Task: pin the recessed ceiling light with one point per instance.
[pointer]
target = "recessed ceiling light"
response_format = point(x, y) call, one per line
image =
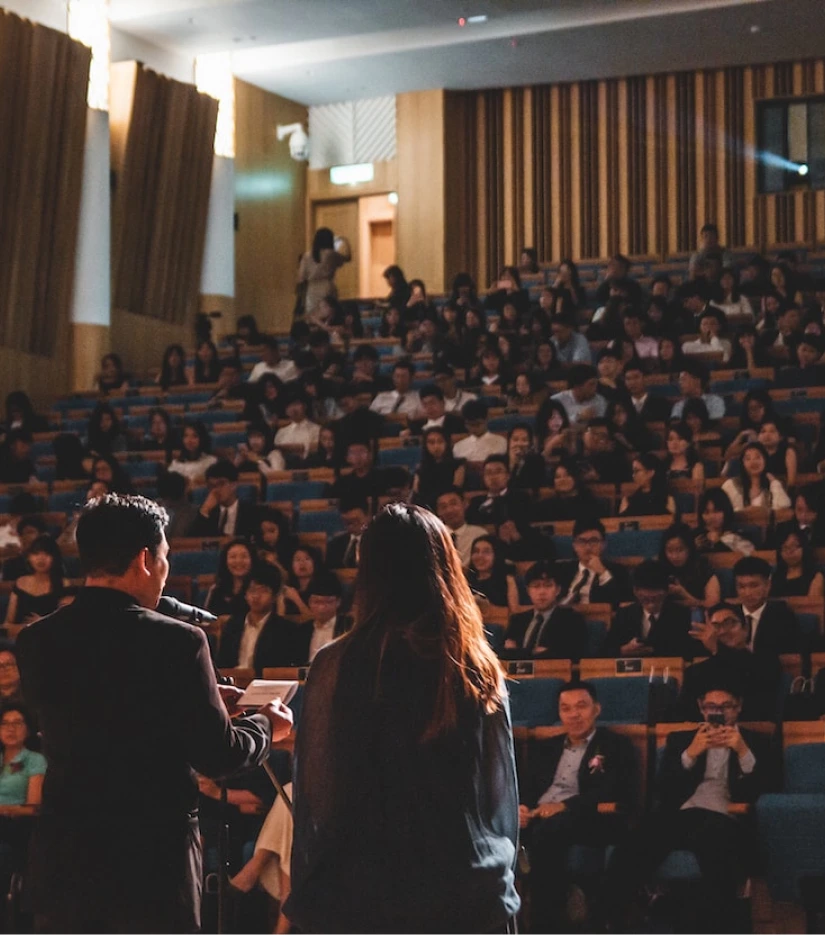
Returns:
point(475, 20)
point(755, 28)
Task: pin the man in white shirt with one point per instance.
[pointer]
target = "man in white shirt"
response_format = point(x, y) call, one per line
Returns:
point(301, 433)
point(451, 510)
point(480, 443)
point(344, 550)
point(401, 399)
point(454, 398)
point(327, 620)
point(270, 362)
point(432, 402)
point(710, 326)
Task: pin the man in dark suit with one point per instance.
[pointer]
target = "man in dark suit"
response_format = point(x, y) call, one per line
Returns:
point(260, 638)
point(509, 511)
point(772, 625)
point(343, 551)
point(432, 402)
point(588, 579)
point(651, 408)
point(547, 631)
point(327, 624)
point(129, 706)
point(702, 772)
point(654, 624)
point(222, 513)
point(565, 779)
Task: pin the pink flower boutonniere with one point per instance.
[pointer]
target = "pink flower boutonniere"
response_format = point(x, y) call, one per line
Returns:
point(596, 765)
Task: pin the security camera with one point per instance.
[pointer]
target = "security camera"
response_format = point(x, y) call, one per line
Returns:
point(298, 140)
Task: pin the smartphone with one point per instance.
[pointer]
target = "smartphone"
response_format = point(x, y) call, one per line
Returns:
point(717, 719)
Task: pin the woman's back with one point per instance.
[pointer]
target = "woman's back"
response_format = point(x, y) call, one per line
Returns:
point(411, 835)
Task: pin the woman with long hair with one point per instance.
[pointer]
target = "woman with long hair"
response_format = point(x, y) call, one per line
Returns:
point(796, 574)
point(552, 430)
point(173, 368)
point(568, 287)
point(406, 804)
point(105, 435)
point(304, 566)
point(755, 485)
point(207, 367)
point(715, 528)
point(439, 469)
point(627, 428)
point(227, 597)
point(112, 377)
point(161, 436)
point(652, 497)
point(572, 499)
point(527, 467)
point(690, 578)
point(489, 575)
point(38, 593)
point(399, 293)
point(683, 461)
point(195, 456)
point(317, 269)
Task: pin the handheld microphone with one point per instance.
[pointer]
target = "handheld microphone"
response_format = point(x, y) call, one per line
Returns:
point(172, 607)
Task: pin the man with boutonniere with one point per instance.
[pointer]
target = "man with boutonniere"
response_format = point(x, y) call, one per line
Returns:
point(565, 779)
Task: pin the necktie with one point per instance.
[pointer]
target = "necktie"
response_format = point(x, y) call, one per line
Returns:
point(651, 623)
point(351, 554)
point(397, 406)
point(576, 594)
point(749, 624)
point(533, 632)
point(222, 520)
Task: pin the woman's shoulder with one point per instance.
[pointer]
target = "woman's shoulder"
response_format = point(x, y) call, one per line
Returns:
point(35, 762)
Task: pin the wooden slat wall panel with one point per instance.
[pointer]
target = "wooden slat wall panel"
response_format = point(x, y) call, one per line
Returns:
point(162, 195)
point(44, 75)
point(635, 165)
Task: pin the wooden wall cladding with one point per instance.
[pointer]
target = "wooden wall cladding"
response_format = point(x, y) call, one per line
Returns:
point(162, 147)
point(632, 165)
point(44, 75)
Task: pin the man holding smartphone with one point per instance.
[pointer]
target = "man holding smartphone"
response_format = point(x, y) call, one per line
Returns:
point(704, 775)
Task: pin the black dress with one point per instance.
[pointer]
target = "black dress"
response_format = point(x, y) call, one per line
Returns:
point(782, 586)
point(645, 504)
point(493, 588)
point(221, 602)
point(434, 479)
point(38, 604)
point(392, 833)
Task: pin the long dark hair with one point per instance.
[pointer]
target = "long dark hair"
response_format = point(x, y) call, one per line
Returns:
point(324, 239)
point(57, 573)
point(170, 376)
point(744, 477)
point(719, 499)
point(207, 373)
point(808, 560)
point(410, 585)
point(98, 439)
point(223, 578)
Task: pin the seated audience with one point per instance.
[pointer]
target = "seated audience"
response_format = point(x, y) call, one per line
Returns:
point(693, 383)
point(227, 596)
point(571, 347)
point(553, 433)
point(712, 327)
point(304, 567)
point(715, 528)
point(565, 779)
point(37, 594)
point(439, 470)
point(437, 417)
point(258, 452)
point(10, 689)
point(650, 408)
point(271, 362)
point(172, 497)
point(161, 436)
point(195, 454)
point(807, 508)
point(572, 499)
point(455, 398)
point(364, 481)
point(582, 400)
point(655, 624)
point(207, 363)
point(601, 460)
point(173, 368)
point(772, 626)
point(109, 471)
point(489, 575)
point(683, 461)
point(300, 434)
point(627, 429)
point(20, 414)
point(328, 623)
point(401, 399)
point(230, 382)
point(588, 579)
point(264, 402)
point(259, 638)
point(690, 578)
point(451, 510)
point(16, 465)
point(28, 529)
point(111, 377)
point(222, 513)
point(549, 630)
point(527, 467)
point(651, 497)
point(344, 550)
point(480, 443)
point(755, 486)
point(273, 539)
point(781, 460)
point(796, 574)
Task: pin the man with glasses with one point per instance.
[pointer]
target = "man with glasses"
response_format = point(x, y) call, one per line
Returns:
point(702, 773)
point(327, 620)
point(588, 579)
point(724, 635)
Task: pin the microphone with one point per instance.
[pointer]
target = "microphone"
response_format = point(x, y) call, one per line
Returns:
point(172, 607)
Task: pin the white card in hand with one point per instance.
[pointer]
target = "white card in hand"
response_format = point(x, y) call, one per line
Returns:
point(262, 691)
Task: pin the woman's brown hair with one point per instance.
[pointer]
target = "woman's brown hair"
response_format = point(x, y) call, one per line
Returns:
point(411, 584)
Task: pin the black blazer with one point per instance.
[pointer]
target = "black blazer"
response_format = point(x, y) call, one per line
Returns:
point(564, 635)
point(128, 704)
point(778, 630)
point(757, 675)
point(612, 782)
point(675, 784)
point(244, 524)
point(513, 505)
point(273, 648)
point(655, 408)
point(337, 549)
point(530, 474)
point(615, 591)
point(302, 637)
point(668, 637)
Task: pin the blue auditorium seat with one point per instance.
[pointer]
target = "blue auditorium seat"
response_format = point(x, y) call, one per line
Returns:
point(328, 521)
point(66, 501)
point(624, 699)
point(533, 701)
point(805, 768)
point(644, 542)
point(296, 490)
point(192, 564)
point(405, 457)
point(791, 831)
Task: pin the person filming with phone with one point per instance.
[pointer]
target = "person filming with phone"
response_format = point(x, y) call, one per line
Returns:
point(130, 709)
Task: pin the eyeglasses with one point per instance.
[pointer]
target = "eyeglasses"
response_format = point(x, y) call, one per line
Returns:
point(720, 708)
point(591, 540)
point(17, 722)
point(8, 665)
point(728, 623)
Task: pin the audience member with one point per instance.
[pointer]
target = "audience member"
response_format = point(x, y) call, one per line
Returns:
point(451, 510)
point(588, 579)
point(690, 578)
point(796, 573)
point(772, 626)
point(344, 550)
point(16, 465)
point(327, 624)
point(222, 513)
point(651, 497)
point(271, 362)
point(481, 442)
point(489, 575)
point(38, 593)
point(693, 383)
point(195, 456)
point(173, 368)
point(305, 565)
point(401, 399)
point(227, 596)
point(439, 469)
point(172, 497)
point(755, 486)
point(582, 400)
point(715, 527)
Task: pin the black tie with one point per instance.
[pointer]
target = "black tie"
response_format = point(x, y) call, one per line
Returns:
point(350, 558)
point(575, 597)
point(533, 632)
point(397, 406)
point(222, 518)
point(652, 622)
point(749, 624)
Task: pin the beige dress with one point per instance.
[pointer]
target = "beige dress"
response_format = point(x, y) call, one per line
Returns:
point(276, 836)
point(320, 276)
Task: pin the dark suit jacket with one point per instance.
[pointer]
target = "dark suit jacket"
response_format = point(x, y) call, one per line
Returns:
point(614, 782)
point(615, 591)
point(675, 784)
point(668, 637)
point(302, 637)
point(273, 648)
point(656, 409)
point(564, 635)
point(337, 549)
point(517, 506)
point(758, 676)
point(128, 703)
point(244, 524)
point(778, 630)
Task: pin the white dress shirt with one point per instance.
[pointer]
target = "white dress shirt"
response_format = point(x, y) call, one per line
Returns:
point(584, 592)
point(193, 470)
point(249, 640)
point(566, 779)
point(464, 537)
point(304, 433)
point(284, 370)
point(391, 401)
point(321, 635)
point(458, 401)
point(479, 448)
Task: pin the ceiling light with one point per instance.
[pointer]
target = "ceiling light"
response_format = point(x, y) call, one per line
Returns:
point(755, 28)
point(803, 170)
point(476, 20)
point(352, 175)
point(392, 198)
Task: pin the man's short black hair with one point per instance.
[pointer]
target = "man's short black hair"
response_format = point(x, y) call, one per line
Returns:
point(650, 576)
point(270, 341)
point(579, 374)
point(752, 565)
point(727, 608)
point(222, 470)
point(114, 529)
point(541, 571)
point(450, 490)
point(696, 369)
point(443, 370)
point(354, 503)
point(326, 585)
point(407, 365)
point(729, 684)
point(575, 685)
point(266, 575)
point(498, 459)
point(474, 411)
point(35, 522)
point(588, 524)
point(171, 485)
point(564, 318)
point(365, 352)
point(431, 390)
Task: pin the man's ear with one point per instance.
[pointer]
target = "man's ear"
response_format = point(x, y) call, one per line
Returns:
point(598, 708)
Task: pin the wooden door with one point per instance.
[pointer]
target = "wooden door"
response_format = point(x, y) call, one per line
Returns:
point(342, 219)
